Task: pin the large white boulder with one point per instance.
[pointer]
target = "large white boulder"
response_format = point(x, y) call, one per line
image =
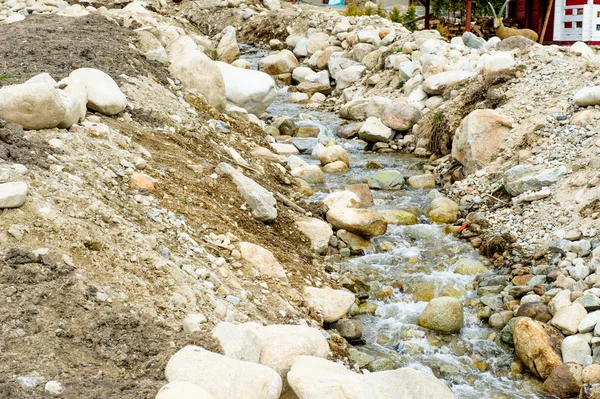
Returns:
point(252, 90)
point(316, 378)
point(479, 138)
point(103, 92)
point(198, 72)
point(222, 377)
point(32, 105)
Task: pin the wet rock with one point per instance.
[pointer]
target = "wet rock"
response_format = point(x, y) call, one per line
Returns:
point(342, 199)
point(537, 345)
point(349, 329)
point(469, 266)
point(443, 210)
point(500, 320)
point(103, 93)
point(311, 174)
point(355, 110)
point(311, 88)
point(363, 192)
point(443, 314)
point(567, 319)
point(335, 167)
point(13, 194)
point(479, 138)
point(263, 259)
point(537, 311)
point(404, 218)
point(331, 304)
point(591, 374)
point(278, 63)
point(400, 116)
point(315, 378)
point(357, 244)
point(182, 390)
point(261, 201)
point(333, 153)
point(386, 180)
point(374, 131)
point(318, 231)
point(421, 181)
point(363, 222)
point(285, 125)
point(565, 381)
point(222, 377)
point(575, 349)
point(349, 131)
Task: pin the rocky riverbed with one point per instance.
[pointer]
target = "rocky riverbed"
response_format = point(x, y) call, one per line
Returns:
point(246, 199)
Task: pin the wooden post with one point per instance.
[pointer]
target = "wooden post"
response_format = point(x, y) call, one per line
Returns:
point(468, 18)
point(427, 14)
point(548, 11)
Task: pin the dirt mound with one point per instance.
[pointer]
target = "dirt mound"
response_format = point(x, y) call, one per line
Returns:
point(58, 45)
point(15, 148)
point(97, 349)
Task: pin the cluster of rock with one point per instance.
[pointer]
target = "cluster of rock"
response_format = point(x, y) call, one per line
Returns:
point(278, 361)
point(381, 76)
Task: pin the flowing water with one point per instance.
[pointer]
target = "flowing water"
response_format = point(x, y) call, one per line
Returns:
point(418, 267)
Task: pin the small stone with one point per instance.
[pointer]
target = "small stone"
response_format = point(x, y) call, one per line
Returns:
point(54, 388)
point(192, 322)
point(13, 194)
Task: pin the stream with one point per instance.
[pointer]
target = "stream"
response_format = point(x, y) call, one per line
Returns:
point(419, 266)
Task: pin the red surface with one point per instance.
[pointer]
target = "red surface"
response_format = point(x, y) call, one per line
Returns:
point(531, 14)
point(576, 2)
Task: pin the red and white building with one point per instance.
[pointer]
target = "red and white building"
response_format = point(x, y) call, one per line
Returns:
point(569, 21)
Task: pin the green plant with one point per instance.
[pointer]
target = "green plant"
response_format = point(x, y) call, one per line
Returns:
point(4, 76)
point(521, 67)
point(400, 85)
point(380, 11)
point(409, 16)
point(395, 15)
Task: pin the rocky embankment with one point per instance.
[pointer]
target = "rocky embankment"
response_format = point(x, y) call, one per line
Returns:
point(153, 224)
